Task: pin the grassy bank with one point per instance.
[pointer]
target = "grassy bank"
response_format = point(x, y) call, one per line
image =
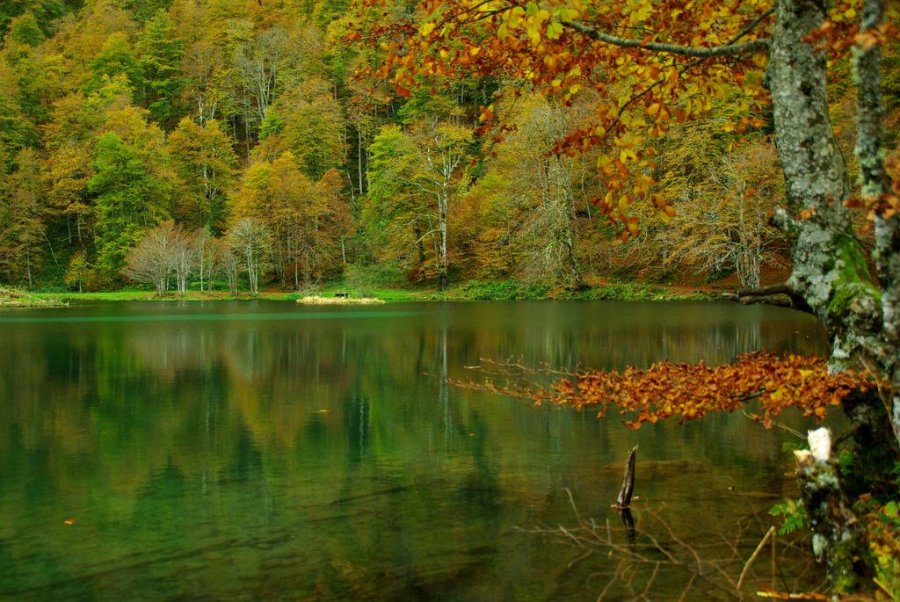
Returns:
point(466, 291)
point(13, 297)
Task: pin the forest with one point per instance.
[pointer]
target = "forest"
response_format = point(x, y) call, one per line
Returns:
point(180, 145)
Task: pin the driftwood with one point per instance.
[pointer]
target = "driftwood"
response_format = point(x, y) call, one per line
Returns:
point(624, 499)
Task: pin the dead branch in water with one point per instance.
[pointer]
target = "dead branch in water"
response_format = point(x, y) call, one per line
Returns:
point(640, 557)
point(624, 499)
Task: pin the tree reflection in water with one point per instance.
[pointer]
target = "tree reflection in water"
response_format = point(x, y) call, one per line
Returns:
point(236, 450)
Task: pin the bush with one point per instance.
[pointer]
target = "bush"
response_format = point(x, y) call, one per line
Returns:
point(507, 290)
point(366, 279)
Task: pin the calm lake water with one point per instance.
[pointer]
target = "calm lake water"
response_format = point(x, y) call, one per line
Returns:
point(251, 450)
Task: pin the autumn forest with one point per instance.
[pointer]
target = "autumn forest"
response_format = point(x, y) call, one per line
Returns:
point(238, 145)
point(348, 152)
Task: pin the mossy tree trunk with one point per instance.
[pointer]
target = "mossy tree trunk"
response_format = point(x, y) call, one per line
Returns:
point(829, 266)
point(830, 270)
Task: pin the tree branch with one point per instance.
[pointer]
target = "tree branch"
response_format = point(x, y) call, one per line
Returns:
point(713, 51)
point(780, 295)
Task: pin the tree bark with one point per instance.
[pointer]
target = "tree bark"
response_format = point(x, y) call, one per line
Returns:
point(874, 183)
point(830, 270)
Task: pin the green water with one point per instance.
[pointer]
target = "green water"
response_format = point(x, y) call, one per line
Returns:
point(231, 451)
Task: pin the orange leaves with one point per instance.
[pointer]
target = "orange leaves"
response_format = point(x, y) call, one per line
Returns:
point(690, 391)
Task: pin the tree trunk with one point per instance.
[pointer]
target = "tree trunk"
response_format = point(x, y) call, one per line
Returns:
point(829, 267)
point(443, 264)
point(838, 539)
point(830, 271)
point(874, 184)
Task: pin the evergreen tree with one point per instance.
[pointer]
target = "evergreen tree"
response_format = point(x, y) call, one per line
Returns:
point(159, 68)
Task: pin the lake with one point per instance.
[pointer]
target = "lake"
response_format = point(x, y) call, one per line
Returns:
point(265, 450)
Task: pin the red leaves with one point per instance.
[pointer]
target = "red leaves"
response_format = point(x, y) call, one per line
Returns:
point(690, 391)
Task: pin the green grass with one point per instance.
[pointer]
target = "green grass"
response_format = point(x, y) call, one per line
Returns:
point(13, 297)
point(506, 290)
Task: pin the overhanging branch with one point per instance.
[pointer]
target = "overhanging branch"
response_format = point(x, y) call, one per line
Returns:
point(694, 51)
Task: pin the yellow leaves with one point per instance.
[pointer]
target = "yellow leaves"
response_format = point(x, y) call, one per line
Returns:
point(632, 225)
point(554, 30)
point(639, 12)
point(426, 29)
point(760, 59)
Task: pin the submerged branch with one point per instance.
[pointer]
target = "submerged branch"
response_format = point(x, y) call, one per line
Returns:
point(707, 570)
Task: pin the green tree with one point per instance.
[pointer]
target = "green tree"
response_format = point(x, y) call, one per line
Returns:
point(309, 123)
point(129, 200)
point(414, 179)
point(117, 57)
point(25, 30)
point(159, 66)
point(43, 12)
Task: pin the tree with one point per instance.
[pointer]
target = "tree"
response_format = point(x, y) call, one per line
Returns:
point(309, 124)
point(160, 68)
point(541, 190)
point(723, 200)
point(206, 163)
point(129, 200)
point(22, 230)
point(41, 11)
point(79, 271)
point(249, 242)
point(152, 260)
point(258, 65)
point(425, 164)
point(687, 55)
point(116, 58)
point(295, 213)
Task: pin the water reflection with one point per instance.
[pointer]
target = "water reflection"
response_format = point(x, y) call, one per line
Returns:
point(229, 450)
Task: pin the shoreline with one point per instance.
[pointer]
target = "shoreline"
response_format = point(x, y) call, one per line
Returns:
point(334, 294)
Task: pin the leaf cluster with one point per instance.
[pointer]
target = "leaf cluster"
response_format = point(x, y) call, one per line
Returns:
point(690, 391)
